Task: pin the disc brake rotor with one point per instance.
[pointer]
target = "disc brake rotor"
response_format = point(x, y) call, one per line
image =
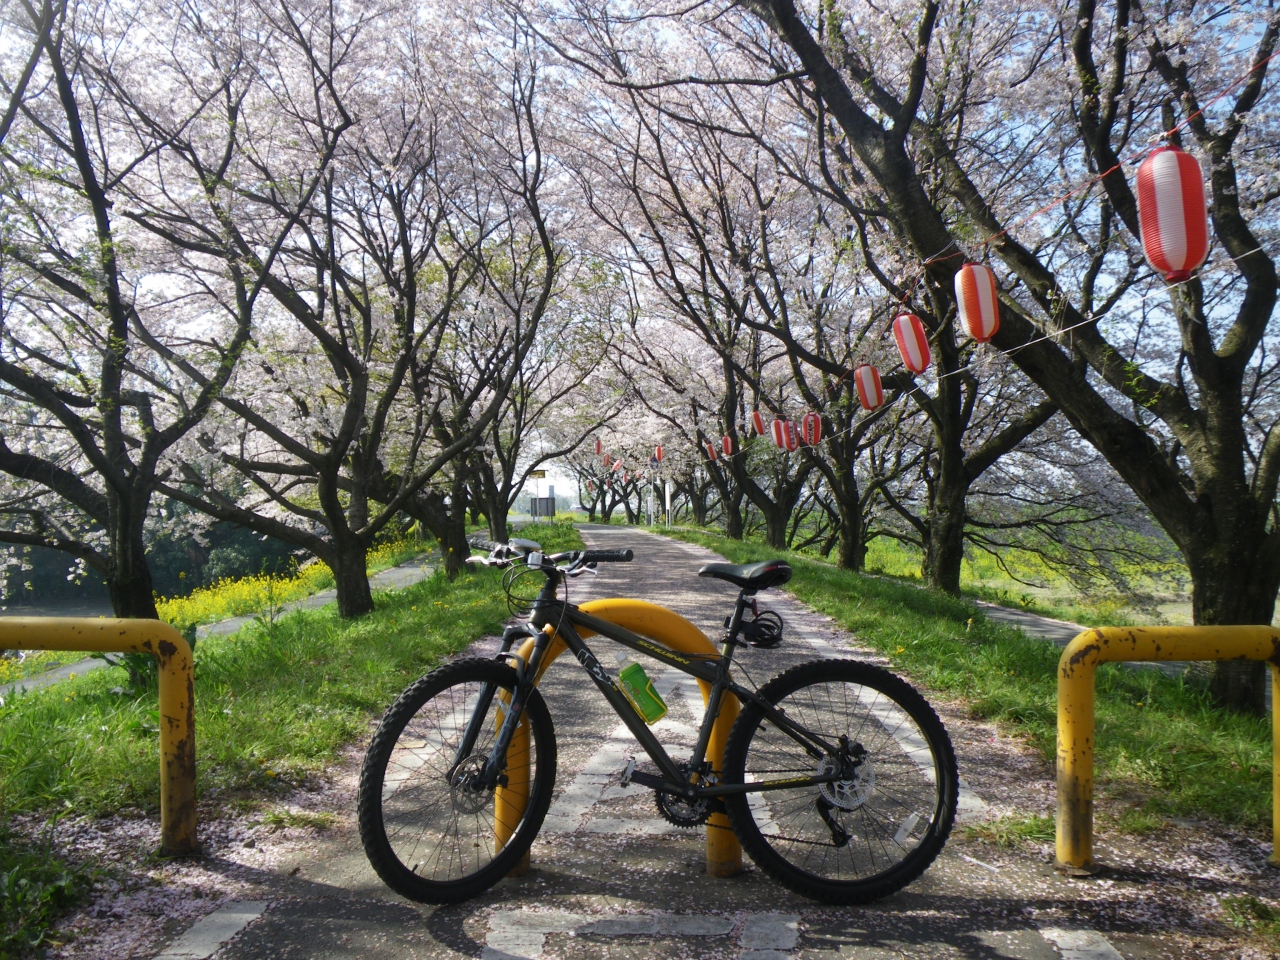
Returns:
point(847, 794)
point(465, 796)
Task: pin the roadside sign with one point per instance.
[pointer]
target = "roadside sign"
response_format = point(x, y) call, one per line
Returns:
point(537, 474)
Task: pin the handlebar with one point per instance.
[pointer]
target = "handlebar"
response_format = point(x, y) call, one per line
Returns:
point(608, 556)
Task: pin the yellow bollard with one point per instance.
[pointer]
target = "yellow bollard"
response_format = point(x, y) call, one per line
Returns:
point(509, 801)
point(1076, 668)
point(177, 700)
point(724, 854)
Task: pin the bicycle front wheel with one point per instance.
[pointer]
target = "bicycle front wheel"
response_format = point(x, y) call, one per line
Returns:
point(429, 830)
point(856, 839)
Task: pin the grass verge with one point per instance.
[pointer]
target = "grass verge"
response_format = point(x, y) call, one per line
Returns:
point(1006, 832)
point(273, 702)
point(1162, 747)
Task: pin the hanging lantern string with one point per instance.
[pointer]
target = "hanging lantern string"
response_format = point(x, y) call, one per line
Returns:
point(918, 273)
point(1048, 336)
point(739, 449)
point(1226, 90)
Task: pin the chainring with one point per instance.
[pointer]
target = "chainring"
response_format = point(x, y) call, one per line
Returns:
point(682, 811)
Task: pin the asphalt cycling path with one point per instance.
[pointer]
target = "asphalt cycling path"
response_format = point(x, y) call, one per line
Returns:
point(612, 879)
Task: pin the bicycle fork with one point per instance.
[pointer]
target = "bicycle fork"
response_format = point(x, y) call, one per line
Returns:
point(491, 775)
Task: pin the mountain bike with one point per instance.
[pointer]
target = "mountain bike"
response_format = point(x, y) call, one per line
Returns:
point(837, 777)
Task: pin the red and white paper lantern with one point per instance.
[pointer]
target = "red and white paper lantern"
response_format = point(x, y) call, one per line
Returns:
point(978, 302)
point(617, 465)
point(913, 342)
point(867, 381)
point(1171, 213)
point(793, 437)
point(606, 461)
point(599, 447)
point(811, 429)
point(757, 423)
point(779, 430)
point(711, 451)
point(657, 453)
point(591, 487)
point(726, 444)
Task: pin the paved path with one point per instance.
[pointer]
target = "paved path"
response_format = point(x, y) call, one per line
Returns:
point(611, 879)
point(1062, 632)
point(409, 572)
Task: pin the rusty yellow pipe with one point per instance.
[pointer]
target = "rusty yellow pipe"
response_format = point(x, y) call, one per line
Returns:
point(1076, 668)
point(724, 854)
point(177, 700)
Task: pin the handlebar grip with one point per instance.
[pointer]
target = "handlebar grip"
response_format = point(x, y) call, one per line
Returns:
point(608, 556)
point(480, 543)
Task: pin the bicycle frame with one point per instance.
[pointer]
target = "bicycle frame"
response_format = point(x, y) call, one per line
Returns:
point(564, 619)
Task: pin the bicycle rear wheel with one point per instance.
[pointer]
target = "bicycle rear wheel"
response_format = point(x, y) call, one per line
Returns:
point(430, 835)
point(857, 839)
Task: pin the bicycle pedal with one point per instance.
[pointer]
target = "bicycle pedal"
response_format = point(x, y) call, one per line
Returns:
point(626, 774)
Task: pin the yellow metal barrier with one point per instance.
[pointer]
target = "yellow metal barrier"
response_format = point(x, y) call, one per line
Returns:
point(724, 855)
point(1074, 842)
point(177, 700)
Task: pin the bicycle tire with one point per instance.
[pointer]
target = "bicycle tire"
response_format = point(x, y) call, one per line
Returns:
point(441, 846)
point(896, 816)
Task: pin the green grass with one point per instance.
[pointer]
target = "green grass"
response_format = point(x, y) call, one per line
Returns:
point(281, 818)
point(1013, 831)
point(35, 888)
point(982, 577)
point(1255, 916)
point(273, 702)
point(36, 661)
point(1162, 748)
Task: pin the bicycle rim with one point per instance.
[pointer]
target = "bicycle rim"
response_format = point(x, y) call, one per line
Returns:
point(859, 838)
point(428, 834)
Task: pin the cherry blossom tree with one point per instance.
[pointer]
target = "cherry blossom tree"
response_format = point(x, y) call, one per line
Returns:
point(112, 349)
point(405, 308)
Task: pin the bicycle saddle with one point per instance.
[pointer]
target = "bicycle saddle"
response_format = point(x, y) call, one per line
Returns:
point(750, 576)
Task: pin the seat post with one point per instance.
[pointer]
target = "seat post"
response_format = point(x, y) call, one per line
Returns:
point(735, 622)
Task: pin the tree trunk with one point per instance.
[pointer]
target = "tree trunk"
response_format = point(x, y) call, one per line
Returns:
point(454, 544)
point(853, 551)
point(1236, 585)
point(129, 579)
point(349, 564)
point(775, 527)
point(496, 510)
point(129, 583)
point(732, 517)
point(698, 505)
point(944, 544)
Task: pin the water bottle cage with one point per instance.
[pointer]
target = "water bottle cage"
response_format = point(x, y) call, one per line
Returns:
point(764, 631)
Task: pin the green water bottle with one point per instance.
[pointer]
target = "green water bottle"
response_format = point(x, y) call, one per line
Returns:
point(638, 687)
